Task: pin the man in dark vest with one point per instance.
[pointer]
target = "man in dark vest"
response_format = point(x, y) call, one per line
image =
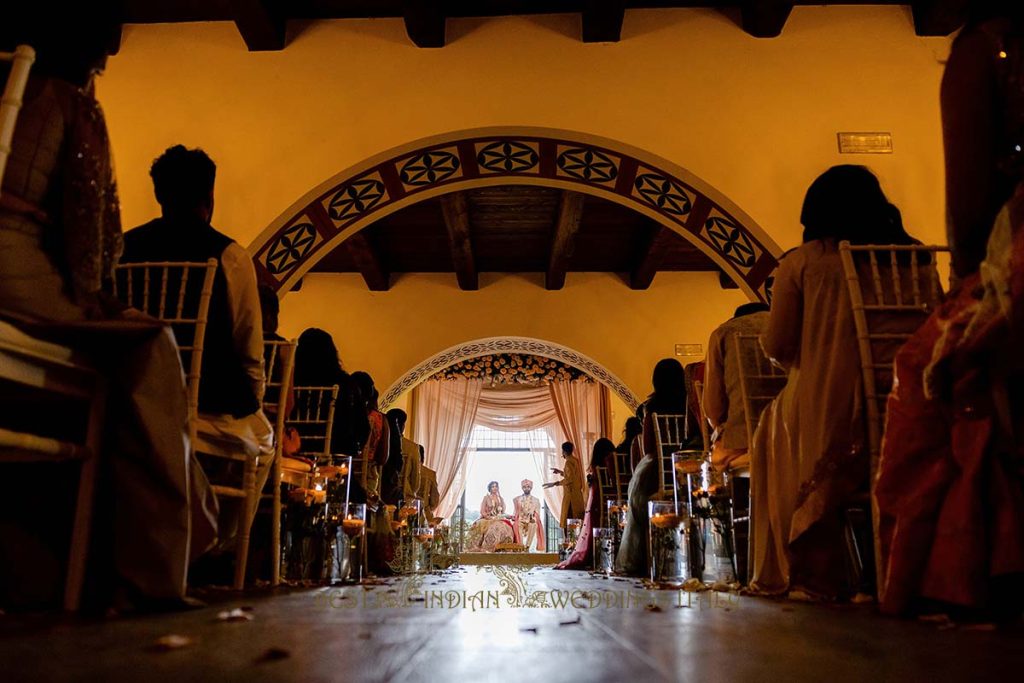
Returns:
point(231, 384)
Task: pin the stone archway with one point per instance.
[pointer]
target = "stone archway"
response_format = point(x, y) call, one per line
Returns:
point(353, 199)
point(491, 345)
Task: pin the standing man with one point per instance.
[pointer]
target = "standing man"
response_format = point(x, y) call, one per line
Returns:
point(428, 493)
point(723, 403)
point(572, 481)
point(527, 525)
point(411, 463)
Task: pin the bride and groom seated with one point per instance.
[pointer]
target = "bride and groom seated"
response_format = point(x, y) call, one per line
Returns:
point(495, 529)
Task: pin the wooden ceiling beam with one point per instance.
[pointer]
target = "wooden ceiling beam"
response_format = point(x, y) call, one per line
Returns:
point(261, 23)
point(425, 22)
point(938, 17)
point(570, 211)
point(602, 20)
point(456, 219)
point(650, 257)
point(368, 261)
point(765, 18)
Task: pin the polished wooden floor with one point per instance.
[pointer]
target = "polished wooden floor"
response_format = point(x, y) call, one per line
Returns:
point(460, 626)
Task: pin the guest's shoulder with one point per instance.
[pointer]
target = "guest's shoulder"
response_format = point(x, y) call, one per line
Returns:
point(138, 241)
point(234, 254)
point(141, 231)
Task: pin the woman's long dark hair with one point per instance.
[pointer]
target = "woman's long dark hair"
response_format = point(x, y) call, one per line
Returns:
point(847, 203)
point(669, 395)
point(602, 449)
point(316, 359)
point(364, 383)
point(634, 428)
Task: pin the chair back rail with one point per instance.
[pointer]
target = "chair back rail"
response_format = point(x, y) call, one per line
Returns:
point(279, 364)
point(893, 289)
point(622, 468)
point(671, 432)
point(313, 418)
point(10, 103)
point(177, 293)
point(760, 379)
point(608, 489)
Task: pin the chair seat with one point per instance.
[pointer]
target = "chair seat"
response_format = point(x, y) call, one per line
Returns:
point(296, 465)
point(21, 447)
point(296, 471)
point(739, 468)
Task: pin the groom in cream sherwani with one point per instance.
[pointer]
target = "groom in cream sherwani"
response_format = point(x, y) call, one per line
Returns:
point(527, 524)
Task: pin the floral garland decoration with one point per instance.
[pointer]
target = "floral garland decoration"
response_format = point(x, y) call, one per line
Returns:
point(514, 368)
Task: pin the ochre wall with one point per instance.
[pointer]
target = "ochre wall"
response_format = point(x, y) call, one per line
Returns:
point(596, 314)
point(754, 118)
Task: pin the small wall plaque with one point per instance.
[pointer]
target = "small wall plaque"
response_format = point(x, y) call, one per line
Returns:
point(865, 143)
point(689, 350)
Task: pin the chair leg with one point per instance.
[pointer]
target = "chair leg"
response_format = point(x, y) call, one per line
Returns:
point(275, 523)
point(750, 536)
point(245, 522)
point(853, 553)
point(80, 535)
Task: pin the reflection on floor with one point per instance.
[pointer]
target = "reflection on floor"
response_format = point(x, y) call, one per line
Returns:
point(504, 624)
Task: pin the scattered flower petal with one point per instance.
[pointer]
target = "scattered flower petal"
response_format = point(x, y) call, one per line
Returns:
point(173, 641)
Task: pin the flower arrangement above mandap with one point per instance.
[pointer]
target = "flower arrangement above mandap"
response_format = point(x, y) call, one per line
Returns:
point(514, 368)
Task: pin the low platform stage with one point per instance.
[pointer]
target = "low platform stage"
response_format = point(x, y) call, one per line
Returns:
point(520, 559)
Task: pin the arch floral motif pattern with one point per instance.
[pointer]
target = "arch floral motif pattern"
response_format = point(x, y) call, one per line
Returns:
point(676, 199)
point(498, 345)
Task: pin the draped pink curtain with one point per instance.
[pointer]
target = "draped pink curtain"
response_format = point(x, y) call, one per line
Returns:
point(444, 415)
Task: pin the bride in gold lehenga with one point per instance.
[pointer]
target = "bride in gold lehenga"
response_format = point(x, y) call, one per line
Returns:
point(493, 527)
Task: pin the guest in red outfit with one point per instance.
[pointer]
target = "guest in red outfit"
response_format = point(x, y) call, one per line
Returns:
point(949, 490)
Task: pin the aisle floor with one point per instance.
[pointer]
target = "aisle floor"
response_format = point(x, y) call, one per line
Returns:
point(503, 624)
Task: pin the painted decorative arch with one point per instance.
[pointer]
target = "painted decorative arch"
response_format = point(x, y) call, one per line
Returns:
point(669, 194)
point(490, 345)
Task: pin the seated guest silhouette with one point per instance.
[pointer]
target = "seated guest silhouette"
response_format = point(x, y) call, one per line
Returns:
point(722, 401)
point(232, 383)
point(809, 458)
point(231, 388)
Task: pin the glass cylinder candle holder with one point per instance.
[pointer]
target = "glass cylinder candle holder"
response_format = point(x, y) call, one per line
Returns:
point(687, 467)
point(572, 531)
point(423, 549)
point(604, 550)
point(353, 526)
point(667, 543)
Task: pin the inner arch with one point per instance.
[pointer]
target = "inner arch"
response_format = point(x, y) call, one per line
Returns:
point(493, 345)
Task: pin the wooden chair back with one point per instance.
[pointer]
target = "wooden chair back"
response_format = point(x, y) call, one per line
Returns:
point(278, 367)
point(10, 103)
point(313, 418)
point(608, 488)
point(178, 293)
point(672, 435)
point(760, 379)
point(893, 289)
point(622, 470)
